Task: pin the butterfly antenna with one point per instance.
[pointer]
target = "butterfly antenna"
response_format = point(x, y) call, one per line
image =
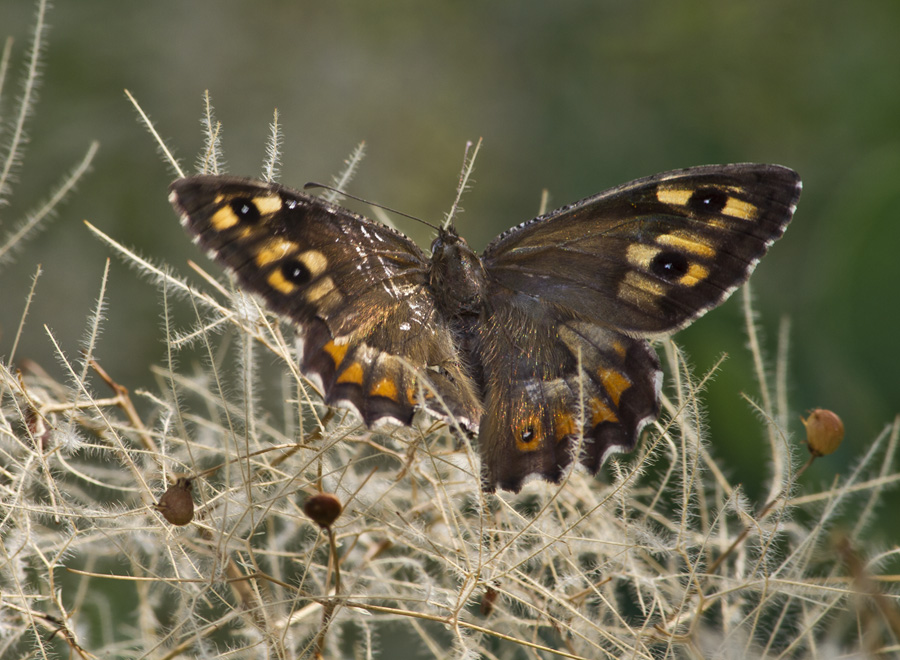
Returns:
point(313, 184)
point(468, 166)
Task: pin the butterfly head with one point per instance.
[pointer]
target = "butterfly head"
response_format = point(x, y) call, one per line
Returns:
point(456, 275)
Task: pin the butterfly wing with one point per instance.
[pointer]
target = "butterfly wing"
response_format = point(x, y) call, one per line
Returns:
point(356, 289)
point(652, 255)
point(559, 389)
point(572, 295)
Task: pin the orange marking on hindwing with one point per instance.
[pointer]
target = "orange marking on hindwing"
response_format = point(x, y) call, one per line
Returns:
point(336, 351)
point(385, 387)
point(352, 374)
point(600, 412)
point(563, 423)
point(614, 383)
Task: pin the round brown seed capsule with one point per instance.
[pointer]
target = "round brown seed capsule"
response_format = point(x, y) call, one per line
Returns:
point(323, 509)
point(177, 505)
point(824, 432)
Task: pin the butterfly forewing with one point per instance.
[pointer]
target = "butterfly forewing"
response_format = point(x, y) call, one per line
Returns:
point(651, 256)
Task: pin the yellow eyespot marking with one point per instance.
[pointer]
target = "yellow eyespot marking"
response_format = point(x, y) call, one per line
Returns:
point(738, 208)
point(614, 382)
point(279, 283)
point(314, 260)
point(642, 255)
point(320, 289)
point(386, 388)
point(564, 424)
point(274, 250)
point(600, 412)
point(529, 434)
point(336, 351)
point(687, 242)
point(619, 348)
point(674, 196)
point(635, 288)
point(223, 219)
point(267, 204)
point(352, 374)
point(696, 274)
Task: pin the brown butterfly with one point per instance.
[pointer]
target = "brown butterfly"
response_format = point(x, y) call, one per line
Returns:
point(540, 345)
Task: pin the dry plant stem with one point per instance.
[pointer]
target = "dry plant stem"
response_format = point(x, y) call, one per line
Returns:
point(48, 208)
point(160, 143)
point(55, 625)
point(335, 560)
point(464, 177)
point(212, 161)
point(329, 607)
point(123, 401)
point(18, 136)
point(780, 459)
point(4, 61)
point(864, 585)
point(454, 622)
point(20, 329)
point(334, 194)
point(762, 514)
point(272, 162)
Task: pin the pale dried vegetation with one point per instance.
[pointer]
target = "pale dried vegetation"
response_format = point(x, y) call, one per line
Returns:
point(661, 557)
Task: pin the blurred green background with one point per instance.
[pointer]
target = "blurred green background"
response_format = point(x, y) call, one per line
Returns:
point(572, 96)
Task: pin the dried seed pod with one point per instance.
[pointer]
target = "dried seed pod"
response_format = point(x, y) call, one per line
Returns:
point(37, 427)
point(487, 601)
point(177, 504)
point(323, 509)
point(824, 432)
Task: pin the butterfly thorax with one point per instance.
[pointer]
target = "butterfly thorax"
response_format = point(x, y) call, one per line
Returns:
point(458, 283)
point(457, 276)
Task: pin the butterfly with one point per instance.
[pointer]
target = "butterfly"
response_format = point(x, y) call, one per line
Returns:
point(540, 345)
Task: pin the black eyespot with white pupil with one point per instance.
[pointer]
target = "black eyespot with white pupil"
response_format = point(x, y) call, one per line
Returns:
point(669, 265)
point(245, 210)
point(528, 434)
point(295, 272)
point(708, 200)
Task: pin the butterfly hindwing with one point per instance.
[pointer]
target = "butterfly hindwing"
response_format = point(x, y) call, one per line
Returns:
point(560, 389)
